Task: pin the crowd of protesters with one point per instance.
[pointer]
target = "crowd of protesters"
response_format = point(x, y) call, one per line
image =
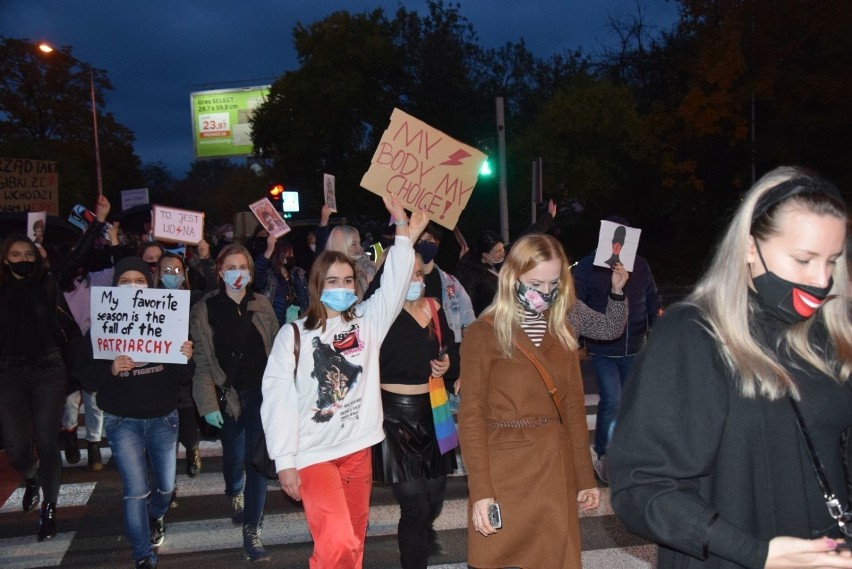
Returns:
point(328, 352)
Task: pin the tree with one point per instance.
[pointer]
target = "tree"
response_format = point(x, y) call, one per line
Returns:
point(45, 113)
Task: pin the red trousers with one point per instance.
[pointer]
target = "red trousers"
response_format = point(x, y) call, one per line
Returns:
point(336, 496)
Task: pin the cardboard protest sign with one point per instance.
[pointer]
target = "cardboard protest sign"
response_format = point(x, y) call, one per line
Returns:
point(147, 324)
point(36, 224)
point(328, 192)
point(424, 168)
point(271, 220)
point(617, 244)
point(29, 185)
point(179, 225)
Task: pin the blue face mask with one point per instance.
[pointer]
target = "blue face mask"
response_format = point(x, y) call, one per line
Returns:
point(236, 279)
point(338, 299)
point(415, 291)
point(172, 281)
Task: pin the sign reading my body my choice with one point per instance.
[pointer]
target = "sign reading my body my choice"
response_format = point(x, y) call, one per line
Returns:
point(147, 324)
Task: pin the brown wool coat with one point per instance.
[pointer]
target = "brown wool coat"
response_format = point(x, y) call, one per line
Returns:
point(534, 473)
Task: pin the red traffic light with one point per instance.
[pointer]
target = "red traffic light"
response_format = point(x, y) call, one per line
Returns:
point(276, 191)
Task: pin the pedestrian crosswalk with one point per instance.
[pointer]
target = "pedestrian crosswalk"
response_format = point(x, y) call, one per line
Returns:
point(199, 532)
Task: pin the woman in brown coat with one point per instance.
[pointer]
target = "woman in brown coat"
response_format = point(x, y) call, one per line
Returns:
point(524, 450)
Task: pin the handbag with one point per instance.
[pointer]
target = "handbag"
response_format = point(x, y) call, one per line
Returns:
point(442, 415)
point(542, 371)
point(836, 510)
point(260, 454)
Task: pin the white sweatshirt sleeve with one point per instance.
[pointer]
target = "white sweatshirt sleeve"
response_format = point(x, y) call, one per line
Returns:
point(279, 411)
point(386, 303)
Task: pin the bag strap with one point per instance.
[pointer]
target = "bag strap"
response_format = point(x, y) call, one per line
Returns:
point(297, 346)
point(542, 371)
point(435, 322)
point(835, 508)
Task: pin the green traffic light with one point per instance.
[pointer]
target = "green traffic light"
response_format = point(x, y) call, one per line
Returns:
point(486, 170)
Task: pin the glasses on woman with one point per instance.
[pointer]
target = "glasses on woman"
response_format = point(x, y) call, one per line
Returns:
point(172, 270)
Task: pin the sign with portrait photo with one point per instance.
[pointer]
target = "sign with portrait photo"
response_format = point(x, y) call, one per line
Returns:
point(617, 243)
point(271, 220)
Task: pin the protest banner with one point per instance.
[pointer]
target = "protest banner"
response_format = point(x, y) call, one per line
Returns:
point(424, 168)
point(328, 192)
point(147, 324)
point(82, 217)
point(179, 225)
point(132, 198)
point(271, 220)
point(29, 185)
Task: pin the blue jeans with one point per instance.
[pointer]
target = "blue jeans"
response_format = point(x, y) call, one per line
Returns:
point(238, 438)
point(143, 449)
point(611, 373)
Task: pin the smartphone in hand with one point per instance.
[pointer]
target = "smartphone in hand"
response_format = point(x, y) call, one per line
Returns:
point(495, 518)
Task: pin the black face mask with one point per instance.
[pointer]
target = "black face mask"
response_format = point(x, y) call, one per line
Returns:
point(23, 268)
point(788, 301)
point(427, 250)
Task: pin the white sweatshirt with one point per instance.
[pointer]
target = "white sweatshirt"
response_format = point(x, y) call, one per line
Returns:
point(334, 407)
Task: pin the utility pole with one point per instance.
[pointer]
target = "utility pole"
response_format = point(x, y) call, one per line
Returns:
point(501, 152)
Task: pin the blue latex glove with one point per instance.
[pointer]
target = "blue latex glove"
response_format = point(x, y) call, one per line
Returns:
point(215, 419)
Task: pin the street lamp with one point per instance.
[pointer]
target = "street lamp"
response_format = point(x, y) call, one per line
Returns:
point(46, 48)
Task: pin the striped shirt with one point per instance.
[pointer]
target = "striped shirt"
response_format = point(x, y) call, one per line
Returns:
point(535, 325)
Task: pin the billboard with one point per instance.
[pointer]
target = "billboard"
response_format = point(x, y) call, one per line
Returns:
point(220, 120)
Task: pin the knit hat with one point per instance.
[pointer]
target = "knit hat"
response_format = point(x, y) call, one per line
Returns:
point(131, 264)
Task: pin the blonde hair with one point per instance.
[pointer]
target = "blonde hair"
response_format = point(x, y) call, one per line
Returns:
point(342, 238)
point(722, 293)
point(526, 253)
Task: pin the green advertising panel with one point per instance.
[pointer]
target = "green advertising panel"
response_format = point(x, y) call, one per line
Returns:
point(220, 120)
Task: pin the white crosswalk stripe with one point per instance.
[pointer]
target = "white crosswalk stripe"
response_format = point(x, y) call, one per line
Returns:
point(217, 533)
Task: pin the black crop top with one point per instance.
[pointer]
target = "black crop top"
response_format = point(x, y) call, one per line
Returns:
point(409, 348)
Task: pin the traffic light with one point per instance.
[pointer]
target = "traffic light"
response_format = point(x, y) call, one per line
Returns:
point(486, 169)
point(275, 191)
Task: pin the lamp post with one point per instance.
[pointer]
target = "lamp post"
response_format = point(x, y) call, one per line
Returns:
point(46, 48)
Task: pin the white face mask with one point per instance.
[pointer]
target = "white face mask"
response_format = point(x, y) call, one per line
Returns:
point(228, 235)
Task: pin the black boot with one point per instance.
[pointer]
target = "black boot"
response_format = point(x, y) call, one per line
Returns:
point(30, 495)
point(193, 462)
point(72, 447)
point(47, 521)
point(96, 463)
point(252, 546)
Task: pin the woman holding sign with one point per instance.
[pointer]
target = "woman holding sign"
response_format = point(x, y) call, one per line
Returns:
point(35, 329)
point(234, 328)
point(139, 401)
point(320, 427)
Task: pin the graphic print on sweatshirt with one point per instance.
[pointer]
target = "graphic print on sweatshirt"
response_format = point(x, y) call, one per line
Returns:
point(335, 375)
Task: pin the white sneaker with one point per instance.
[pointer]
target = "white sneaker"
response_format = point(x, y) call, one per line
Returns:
point(599, 464)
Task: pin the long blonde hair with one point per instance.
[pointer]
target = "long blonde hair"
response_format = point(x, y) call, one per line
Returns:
point(722, 293)
point(526, 253)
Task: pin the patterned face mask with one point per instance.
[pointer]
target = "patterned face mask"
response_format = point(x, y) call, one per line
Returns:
point(534, 300)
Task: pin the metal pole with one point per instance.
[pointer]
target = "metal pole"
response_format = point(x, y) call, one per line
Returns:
point(501, 152)
point(532, 193)
point(95, 129)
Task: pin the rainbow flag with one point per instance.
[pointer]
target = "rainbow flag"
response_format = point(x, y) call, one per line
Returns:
point(445, 426)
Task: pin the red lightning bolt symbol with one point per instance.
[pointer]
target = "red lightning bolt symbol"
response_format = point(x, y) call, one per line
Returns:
point(456, 158)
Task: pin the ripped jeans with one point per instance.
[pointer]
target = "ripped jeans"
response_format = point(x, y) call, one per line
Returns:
point(137, 446)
